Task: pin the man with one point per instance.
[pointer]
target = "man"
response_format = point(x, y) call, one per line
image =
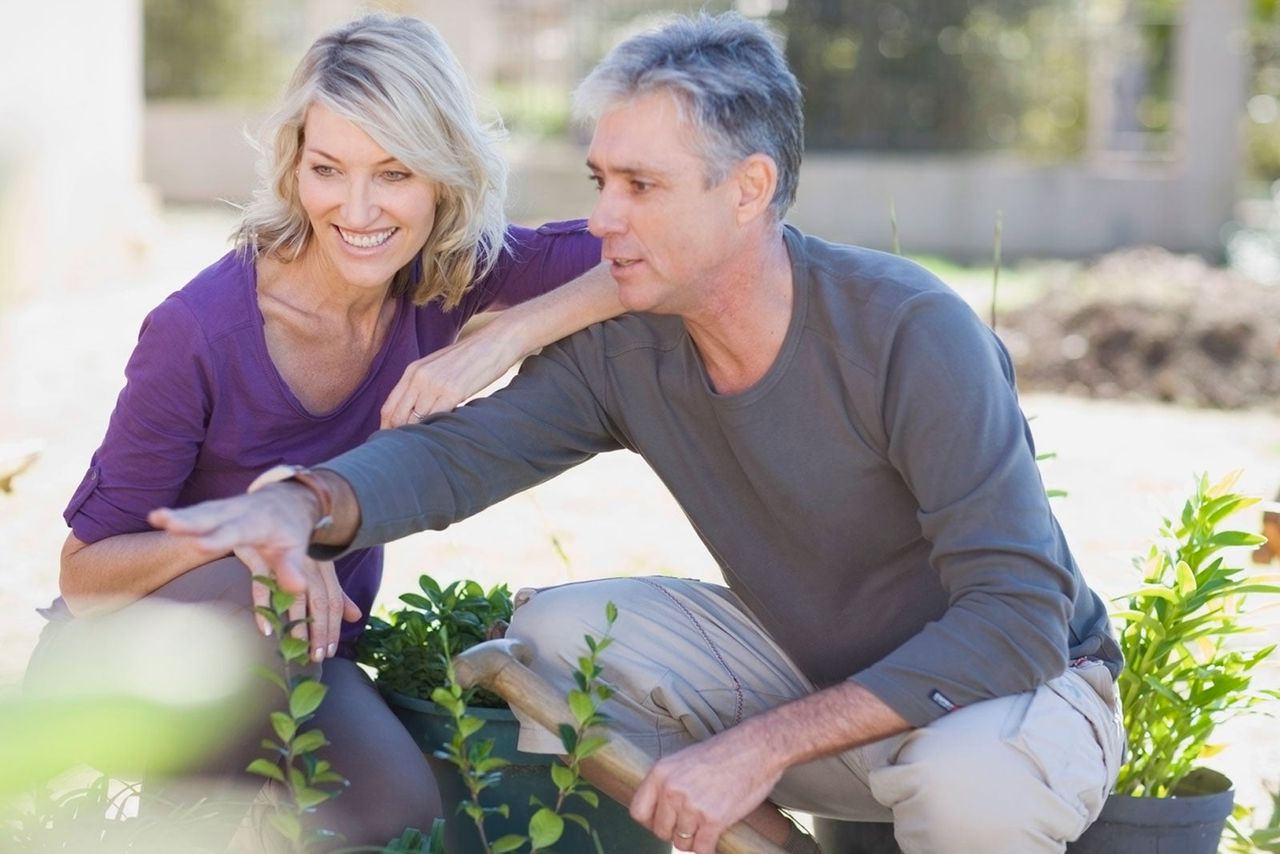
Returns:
point(844, 434)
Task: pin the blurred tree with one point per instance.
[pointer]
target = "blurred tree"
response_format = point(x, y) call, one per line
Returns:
point(939, 75)
point(213, 49)
point(1262, 134)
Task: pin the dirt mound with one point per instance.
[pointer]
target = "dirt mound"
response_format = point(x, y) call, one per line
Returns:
point(1145, 323)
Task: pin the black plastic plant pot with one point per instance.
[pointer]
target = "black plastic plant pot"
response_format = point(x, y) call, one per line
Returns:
point(526, 776)
point(1185, 824)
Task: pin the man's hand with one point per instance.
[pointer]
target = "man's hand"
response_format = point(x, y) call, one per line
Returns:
point(696, 794)
point(269, 529)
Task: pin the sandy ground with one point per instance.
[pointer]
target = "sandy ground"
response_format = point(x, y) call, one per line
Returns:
point(61, 362)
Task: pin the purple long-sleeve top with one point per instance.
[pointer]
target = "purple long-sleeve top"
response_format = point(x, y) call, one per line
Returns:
point(204, 409)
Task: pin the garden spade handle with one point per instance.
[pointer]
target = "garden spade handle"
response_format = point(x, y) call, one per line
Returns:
point(499, 665)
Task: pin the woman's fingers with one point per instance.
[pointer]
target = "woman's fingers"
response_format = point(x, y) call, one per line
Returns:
point(442, 380)
point(334, 603)
point(261, 593)
point(298, 617)
point(350, 610)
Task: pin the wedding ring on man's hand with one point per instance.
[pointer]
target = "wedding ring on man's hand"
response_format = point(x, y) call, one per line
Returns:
point(415, 416)
point(684, 836)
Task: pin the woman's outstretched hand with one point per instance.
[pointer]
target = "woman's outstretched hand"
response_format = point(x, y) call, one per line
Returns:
point(325, 605)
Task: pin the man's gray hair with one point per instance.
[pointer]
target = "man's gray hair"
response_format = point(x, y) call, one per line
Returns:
point(729, 78)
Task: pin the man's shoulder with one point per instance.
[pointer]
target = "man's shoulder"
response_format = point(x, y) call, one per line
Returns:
point(859, 301)
point(863, 273)
point(629, 333)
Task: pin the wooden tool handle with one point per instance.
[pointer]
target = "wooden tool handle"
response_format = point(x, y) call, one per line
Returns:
point(499, 666)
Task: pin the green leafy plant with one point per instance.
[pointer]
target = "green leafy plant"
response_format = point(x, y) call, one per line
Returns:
point(1185, 670)
point(306, 780)
point(1245, 836)
point(410, 650)
point(481, 770)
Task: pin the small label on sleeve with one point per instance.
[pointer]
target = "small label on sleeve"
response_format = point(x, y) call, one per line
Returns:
point(942, 700)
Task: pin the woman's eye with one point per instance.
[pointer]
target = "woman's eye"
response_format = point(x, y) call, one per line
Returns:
point(322, 170)
point(395, 175)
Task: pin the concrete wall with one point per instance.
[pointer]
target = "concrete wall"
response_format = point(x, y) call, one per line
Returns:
point(944, 204)
point(70, 143)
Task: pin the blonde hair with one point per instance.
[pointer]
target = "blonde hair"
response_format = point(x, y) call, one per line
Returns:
point(395, 78)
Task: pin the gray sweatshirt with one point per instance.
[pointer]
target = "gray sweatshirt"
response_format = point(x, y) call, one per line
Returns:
point(874, 499)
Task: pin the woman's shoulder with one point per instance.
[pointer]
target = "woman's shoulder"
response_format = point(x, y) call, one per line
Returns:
point(220, 298)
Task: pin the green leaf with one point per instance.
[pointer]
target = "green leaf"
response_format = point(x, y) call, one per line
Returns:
point(510, 842)
point(309, 741)
point(568, 737)
point(545, 828)
point(1155, 591)
point(293, 648)
point(1236, 538)
point(581, 706)
point(272, 618)
point(288, 825)
point(611, 613)
point(271, 676)
point(416, 601)
point(265, 768)
point(579, 820)
point(469, 726)
point(589, 796)
point(284, 725)
point(563, 777)
point(590, 745)
point(1186, 579)
point(309, 798)
point(306, 698)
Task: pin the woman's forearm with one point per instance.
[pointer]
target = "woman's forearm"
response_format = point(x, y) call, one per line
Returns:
point(532, 325)
point(118, 570)
point(441, 380)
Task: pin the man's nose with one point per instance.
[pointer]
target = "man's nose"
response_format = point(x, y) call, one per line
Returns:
point(606, 216)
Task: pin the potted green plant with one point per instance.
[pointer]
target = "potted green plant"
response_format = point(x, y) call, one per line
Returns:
point(1187, 669)
point(410, 652)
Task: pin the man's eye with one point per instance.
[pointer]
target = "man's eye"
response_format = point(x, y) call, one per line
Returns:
point(597, 181)
point(641, 186)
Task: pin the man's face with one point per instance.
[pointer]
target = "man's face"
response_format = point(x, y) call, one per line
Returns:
point(665, 231)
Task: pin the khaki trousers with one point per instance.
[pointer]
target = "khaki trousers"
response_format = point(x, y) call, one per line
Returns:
point(1020, 774)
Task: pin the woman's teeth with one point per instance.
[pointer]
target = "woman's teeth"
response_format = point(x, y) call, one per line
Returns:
point(366, 241)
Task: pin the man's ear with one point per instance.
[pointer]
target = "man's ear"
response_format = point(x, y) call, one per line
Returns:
point(757, 178)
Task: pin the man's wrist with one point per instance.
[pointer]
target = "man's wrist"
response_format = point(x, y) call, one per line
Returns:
point(328, 495)
point(321, 493)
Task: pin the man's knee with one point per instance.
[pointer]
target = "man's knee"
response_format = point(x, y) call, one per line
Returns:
point(554, 620)
point(979, 789)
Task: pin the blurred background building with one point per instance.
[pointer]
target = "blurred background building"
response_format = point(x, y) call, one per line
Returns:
point(1086, 126)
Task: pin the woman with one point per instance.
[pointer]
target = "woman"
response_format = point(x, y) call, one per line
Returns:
point(378, 232)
